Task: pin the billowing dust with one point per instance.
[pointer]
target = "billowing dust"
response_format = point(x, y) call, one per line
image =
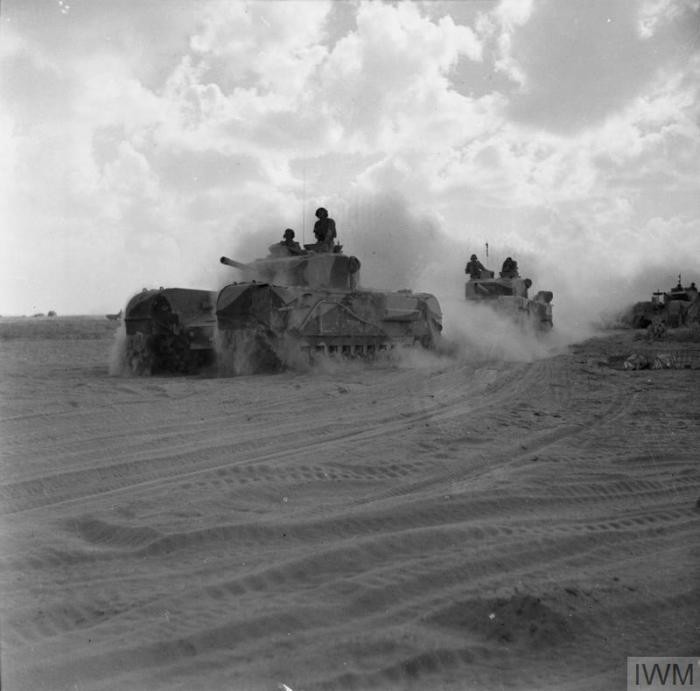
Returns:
point(403, 249)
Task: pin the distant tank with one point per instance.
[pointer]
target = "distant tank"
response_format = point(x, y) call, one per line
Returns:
point(508, 294)
point(287, 308)
point(677, 307)
point(170, 330)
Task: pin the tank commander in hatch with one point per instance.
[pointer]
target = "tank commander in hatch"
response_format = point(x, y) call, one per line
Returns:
point(288, 241)
point(324, 230)
point(509, 268)
point(474, 267)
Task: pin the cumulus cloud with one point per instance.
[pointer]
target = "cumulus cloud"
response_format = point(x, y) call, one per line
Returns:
point(655, 14)
point(499, 27)
point(386, 83)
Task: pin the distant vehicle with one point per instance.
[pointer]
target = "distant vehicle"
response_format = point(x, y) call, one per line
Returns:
point(51, 313)
point(671, 309)
point(289, 306)
point(508, 295)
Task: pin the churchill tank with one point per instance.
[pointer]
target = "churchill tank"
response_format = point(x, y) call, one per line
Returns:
point(673, 308)
point(290, 308)
point(170, 330)
point(508, 295)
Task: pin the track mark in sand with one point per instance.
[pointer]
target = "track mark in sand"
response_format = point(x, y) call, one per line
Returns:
point(82, 484)
point(547, 382)
point(370, 564)
point(624, 490)
point(471, 635)
point(158, 646)
point(407, 671)
point(333, 471)
point(49, 621)
point(103, 534)
point(519, 619)
point(66, 487)
point(524, 446)
point(634, 523)
point(280, 582)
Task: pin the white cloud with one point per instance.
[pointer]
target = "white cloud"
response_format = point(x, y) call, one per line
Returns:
point(275, 46)
point(499, 26)
point(130, 177)
point(387, 82)
point(654, 14)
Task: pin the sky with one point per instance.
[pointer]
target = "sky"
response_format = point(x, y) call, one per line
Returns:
point(142, 139)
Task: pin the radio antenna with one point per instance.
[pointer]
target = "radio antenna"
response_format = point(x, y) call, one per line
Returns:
point(303, 206)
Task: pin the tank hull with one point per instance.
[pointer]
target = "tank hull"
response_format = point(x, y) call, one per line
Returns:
point(525, 312)
point(264, 327)
point(678, 307)
point(509, 297)
point(170, 330)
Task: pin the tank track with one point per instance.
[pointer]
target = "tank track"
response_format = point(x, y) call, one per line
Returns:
point(256, 351)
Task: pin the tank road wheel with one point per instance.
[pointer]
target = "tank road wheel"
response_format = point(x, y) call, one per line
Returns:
point(139, 354)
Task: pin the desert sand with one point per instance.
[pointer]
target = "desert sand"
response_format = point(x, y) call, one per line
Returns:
point(435, 522)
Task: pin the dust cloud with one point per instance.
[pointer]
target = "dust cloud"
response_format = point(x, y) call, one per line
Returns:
point(117, 354)
point(402, 249)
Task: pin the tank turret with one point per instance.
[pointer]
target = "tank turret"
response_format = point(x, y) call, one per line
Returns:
point(331, 270)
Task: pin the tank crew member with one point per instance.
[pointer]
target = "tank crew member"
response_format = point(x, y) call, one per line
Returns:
point(293, 247)
point(474, 267)
point(509, 268)
point(324, 230)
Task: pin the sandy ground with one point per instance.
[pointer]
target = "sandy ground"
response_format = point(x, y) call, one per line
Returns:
point(438, 523)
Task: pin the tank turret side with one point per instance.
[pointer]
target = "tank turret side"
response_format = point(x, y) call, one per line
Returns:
point(328, 270)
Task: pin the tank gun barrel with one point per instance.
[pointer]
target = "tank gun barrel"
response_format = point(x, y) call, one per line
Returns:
point(234, 263)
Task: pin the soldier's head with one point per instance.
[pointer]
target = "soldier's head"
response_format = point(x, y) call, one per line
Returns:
point(289, 234)
point(321, 213)
point(473, 257)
